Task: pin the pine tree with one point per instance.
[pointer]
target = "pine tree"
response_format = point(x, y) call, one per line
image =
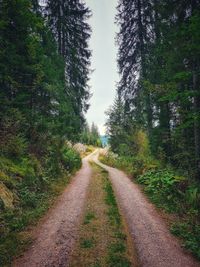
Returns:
point(33, 78)
point(115, 124)
point(135, 21)
point(68, 22)
point(158, 62)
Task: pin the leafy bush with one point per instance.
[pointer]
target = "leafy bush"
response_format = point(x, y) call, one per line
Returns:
point(123, 149)
point(163, 187)
point(28, 198)
point(176, 194)
point(12, 141)
point(70, 158)
point(15, 146)
point(190, 233)
point(192, 196)
point(132, 165)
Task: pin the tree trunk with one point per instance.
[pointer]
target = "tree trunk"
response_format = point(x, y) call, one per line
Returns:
point(143, 70)
point(164, 119)
point(196, 88)
point(60, 28)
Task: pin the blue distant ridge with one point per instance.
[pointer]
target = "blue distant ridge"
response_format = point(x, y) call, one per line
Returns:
point(104, 140)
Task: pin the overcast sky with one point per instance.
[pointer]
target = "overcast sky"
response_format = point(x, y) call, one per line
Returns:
point(104, 51)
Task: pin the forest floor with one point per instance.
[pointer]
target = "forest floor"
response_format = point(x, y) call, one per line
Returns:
point(77, 228)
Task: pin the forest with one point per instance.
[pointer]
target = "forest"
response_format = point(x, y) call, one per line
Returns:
point(153, 125)
point(44, 72)
point(158, 91)
point(154, 122)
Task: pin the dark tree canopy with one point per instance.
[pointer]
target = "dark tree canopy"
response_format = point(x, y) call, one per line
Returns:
point(68, 22)
point(159, 62)
point(44, 63)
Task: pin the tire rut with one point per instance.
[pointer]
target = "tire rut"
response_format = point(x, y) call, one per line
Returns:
point(54, 238)
point(155, 245)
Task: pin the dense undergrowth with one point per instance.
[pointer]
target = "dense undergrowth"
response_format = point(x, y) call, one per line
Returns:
point(169, 190)
point(28, 186)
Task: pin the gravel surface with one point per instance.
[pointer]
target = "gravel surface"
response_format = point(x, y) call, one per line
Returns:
point(56, 235)
point(155, 245)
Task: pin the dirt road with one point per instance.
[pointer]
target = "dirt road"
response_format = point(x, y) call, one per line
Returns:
point(55, 237)
point(56, 234)
point(155, 245)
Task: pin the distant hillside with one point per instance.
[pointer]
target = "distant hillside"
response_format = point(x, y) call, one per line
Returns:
point(104, 140)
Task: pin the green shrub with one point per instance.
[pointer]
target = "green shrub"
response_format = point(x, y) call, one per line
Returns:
point(15, 146)
point(163, 187)
point(192, 196)
point(28, 198)
point(12, 142)
point(7, 180)
point(70, 159)
point(134, 166)
point(123, 149)
point(190, 233)
point(142, 144)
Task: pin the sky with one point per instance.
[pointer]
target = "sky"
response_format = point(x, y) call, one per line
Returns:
point(104, 51)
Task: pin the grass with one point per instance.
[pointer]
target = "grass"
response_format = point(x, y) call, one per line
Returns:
point(102, 236)
point(88, 217)
point(87, 243)
point(117, 249)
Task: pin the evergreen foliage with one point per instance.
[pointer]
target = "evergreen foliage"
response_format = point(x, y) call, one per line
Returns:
point(154, 123)
point(159, 89)
point(43, 97)
point(90, 135)
point(68, 22)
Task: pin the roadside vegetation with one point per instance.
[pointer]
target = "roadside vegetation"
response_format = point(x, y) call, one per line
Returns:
point(28, 187)
point(43, 99)
point(103, 240)
point(171, 191)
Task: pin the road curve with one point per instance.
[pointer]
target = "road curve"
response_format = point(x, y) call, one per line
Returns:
point(55, 237)
point(155, 245)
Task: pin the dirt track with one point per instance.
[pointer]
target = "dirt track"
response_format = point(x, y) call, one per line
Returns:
point(155, 245)
point(55, 237)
